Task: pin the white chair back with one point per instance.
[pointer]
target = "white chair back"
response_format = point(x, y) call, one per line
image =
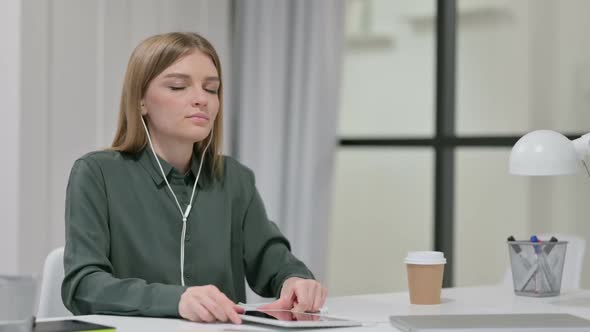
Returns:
point(50, 302)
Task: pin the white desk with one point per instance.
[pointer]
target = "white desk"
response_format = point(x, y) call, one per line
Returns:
point(374, 310)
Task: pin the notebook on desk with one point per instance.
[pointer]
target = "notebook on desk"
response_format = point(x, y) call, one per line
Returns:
point(70, 326)
point(488, 323)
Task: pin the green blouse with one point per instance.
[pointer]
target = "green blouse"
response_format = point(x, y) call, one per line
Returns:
point(123, 234)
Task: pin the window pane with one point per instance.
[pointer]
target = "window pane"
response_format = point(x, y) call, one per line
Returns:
point(382, 208)
point(490, 206)
point(522, 65)
point(388, 69)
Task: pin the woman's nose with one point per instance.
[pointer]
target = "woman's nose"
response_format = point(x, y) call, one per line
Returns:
point(199, 98)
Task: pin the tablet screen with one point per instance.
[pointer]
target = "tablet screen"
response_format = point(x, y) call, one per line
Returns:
point(288, 316)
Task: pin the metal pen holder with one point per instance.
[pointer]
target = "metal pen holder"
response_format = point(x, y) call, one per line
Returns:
point(537, 267)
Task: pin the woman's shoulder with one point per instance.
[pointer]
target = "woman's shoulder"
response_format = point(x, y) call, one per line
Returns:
point(107, 157)
point(238, 179)
point(233, 168)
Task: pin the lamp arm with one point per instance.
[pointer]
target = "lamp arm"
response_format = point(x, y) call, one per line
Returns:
point(582, 145)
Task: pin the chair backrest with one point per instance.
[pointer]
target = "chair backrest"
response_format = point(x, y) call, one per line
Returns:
point(574, 261)
point(50, 302)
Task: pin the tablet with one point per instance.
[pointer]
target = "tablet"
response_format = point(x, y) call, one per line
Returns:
point(291, 319)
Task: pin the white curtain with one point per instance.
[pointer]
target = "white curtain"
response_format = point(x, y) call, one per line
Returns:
point(287, 57)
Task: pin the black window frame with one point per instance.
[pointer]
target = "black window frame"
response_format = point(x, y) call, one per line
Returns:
point(445, 140)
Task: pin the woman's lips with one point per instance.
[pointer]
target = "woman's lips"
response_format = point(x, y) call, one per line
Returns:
point(199, 118)
point(199, 115)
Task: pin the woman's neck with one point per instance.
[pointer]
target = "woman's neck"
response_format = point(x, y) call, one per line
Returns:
point(178, 154)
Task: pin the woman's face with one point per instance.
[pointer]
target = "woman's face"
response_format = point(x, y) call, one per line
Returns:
point(182, 102)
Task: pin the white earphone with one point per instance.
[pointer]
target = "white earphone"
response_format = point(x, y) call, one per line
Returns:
point(186, 212)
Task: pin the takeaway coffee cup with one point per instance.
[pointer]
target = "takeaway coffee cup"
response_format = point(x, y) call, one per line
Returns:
point(425, 276)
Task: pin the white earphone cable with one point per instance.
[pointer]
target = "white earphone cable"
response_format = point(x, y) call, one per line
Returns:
point(186, 213)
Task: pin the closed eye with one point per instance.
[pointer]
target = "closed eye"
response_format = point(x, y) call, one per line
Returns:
point(177, 88)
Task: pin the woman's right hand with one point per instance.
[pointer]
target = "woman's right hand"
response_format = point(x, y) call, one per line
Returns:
point(208, 304)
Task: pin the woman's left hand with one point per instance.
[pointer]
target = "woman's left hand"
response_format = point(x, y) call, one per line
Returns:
point(299, 294)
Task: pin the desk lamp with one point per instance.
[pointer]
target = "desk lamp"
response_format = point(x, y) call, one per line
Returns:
point(546, 152)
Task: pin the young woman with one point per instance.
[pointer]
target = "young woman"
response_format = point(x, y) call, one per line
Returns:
point(161, 224)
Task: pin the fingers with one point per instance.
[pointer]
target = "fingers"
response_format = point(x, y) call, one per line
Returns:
point(305, 317)
point(238, 309)
point(232, 313)
point(202, 314)
point(280, 315)
point(214, 307)
point(282, 303)
point(304, 293)
point(208, 304)
point(311, 296)
point(222, 307)
point(319, 298)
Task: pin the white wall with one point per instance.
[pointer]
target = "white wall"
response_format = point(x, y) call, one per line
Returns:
point(10, 21)
point(73, 59)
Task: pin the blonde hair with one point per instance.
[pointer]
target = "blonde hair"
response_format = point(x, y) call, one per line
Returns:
point(150, 58)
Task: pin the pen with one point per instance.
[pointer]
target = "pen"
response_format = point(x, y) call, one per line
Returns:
point(518, 250)
point(543, 265)
point(535, 239)
point(522, 269)
point(515, 247)
point(537, 275)
point(553, 260)
point(550, 246)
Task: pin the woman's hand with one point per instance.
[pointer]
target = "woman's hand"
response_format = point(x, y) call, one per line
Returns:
point(300, 295)
point(208, 304)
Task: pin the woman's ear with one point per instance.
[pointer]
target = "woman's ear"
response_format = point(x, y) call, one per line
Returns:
point(143, 109)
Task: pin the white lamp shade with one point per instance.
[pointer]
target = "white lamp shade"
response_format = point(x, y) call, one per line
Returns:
point(543, 152)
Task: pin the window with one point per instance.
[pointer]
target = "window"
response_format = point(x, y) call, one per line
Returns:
point(434, 96)
point(383, 201)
